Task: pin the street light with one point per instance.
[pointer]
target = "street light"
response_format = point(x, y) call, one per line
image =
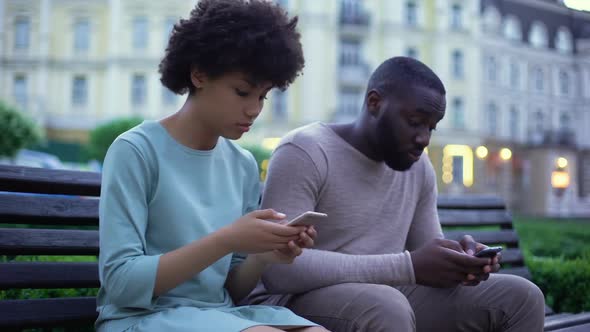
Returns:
point(560, 177)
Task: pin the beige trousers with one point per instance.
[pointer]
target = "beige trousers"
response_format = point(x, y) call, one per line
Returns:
point(502, 303)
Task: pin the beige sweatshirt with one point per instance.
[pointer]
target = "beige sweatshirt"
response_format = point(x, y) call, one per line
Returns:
point(375, 214)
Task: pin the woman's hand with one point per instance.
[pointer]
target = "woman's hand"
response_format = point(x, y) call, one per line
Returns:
point(253, 233)
point(294, 249)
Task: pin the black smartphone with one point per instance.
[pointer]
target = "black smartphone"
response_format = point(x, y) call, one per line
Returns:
point(488, 252)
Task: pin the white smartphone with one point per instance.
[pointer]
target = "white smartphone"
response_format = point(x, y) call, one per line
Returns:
point(308, 218)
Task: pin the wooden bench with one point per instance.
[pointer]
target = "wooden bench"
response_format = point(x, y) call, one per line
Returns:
point(41, 202)
point(488, 221)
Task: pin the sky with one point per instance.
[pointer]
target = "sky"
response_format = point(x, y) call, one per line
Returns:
point(578, 4)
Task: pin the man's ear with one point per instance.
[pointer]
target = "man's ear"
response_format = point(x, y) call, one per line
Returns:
point(374, 101)
point(198, 78)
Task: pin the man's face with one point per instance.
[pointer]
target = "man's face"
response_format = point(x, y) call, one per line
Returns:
point(405, 123)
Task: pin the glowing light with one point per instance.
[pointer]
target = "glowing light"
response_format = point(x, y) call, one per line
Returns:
point(561, 162)
point(505, 154)
point(271, 142)
point(463, 151)
point(481, 152)
point(560, 179)
point(578, 4)
point(447, 178)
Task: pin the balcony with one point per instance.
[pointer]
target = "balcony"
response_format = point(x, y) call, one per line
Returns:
point(354, 21)
point(353, 75)
point(558, 138)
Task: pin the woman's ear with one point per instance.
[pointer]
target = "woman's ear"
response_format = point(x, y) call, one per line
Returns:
point(374, 101)
point(198, 78)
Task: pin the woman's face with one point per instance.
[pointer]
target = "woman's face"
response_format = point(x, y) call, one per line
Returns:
point(229, 104)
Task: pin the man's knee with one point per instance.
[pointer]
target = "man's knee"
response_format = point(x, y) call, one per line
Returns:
point(380, 308)
point(523, 291)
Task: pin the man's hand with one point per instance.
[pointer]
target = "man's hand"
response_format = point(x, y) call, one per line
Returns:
point(443, 263)
point(294, 249)
point(471, 248)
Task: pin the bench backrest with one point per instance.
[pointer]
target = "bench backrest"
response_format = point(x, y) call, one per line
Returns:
point(41, 202)
point(487, 220)
point(35, 205)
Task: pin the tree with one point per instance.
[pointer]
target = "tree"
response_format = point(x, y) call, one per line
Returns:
point(17, 131)
point(103, 136)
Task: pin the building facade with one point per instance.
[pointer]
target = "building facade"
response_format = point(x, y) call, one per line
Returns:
point(517, 74)
point(74, 64)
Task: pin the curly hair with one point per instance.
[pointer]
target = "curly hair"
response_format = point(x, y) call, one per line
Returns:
point(255, 37)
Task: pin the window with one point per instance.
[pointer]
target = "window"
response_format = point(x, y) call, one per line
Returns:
point(564, 120)
point(538, 77)
point(457, 64)
point(411, 13)
point(456, 16)
point(349, 103)
point(350, 8)
point(140, 33)
point(168, 97)
point(412, 52)
point(20, 90)
point(563, 42)
point(492, 119)
point(538, 35)
point(514, 123)
point(350, 52)
point(539, 121)
point(279, 105)
point(458, 170)
point(512, 30)
point(168, 27)
point(492, 69)
point(22, 27)
point(79, 91)
point(81, 35)
point(564, 83)
point(514, 75)
point(138, 90)
point(458, 114)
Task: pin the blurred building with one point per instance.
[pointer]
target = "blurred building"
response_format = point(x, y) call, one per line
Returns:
point(72, 64)
point(517, 73)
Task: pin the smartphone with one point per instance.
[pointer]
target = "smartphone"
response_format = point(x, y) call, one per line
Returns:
point(488, 252)
point(307, 218)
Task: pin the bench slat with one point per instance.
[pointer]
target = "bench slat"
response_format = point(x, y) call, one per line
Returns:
point(47, 312)
point(47, 210)
point(521, 271)
point(48, 242)
point(48, 181)
point(508, 237)
point(470, 202)
point(569, 321)
point(48, 275)
point(512, 256)
point(457, 217)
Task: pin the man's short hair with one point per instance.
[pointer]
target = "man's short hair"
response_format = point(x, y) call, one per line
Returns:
point(398, 73)
point(254, 37)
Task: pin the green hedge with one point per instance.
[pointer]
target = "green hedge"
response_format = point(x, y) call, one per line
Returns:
point(565, 283)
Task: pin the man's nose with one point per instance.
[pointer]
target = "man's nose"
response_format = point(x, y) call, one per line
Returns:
point(423, 138)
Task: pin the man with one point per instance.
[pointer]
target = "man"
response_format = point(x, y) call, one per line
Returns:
point(381, 263)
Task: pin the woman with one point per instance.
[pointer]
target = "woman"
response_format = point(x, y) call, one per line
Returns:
point(179, 198)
